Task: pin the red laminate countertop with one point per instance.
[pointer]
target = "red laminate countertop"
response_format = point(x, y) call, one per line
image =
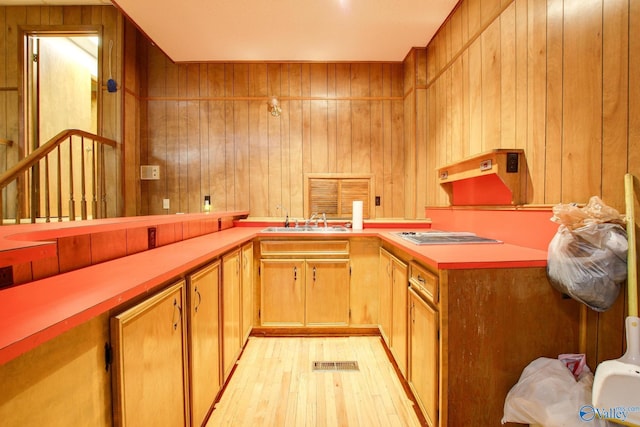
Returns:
point(33, 313)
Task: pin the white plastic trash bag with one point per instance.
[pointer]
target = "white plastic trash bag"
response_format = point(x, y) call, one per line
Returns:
point(548, 394)
point(587, 258)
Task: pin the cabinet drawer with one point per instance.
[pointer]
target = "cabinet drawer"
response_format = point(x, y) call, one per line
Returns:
point(307, 248)
point(424, 280)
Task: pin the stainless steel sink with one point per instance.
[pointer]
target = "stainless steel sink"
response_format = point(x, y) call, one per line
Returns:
point(307, 229)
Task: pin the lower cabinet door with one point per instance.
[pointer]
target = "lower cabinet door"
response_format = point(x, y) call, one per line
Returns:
point(282, 290)
point(423, 356)
point(327, 295)
point(150, 375)
point(204, 340)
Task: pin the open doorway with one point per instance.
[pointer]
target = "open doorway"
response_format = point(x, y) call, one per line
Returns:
point(61, 93)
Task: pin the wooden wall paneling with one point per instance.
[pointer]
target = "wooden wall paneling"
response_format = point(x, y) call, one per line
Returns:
point(377, 79)
point(361, 118)
point(131, 122)
point(203, 134)
point(194, 156)
point(215, 140)
point(285, 135)
point(228, 186)
point(634, 89)
point(296, 171)
point(240, 131)
point(143, 131)
point(582, 94)
point(456, 108)
point(443, 150)
point(274, 151)
point(615, 125)
point(319, 145)
point(397, 160)
point(474, 19)
point(332, 119)
point(615, 80)
point(491, 79)
point(410, 135)
point(508, 78)
point(455, 21)
point(488, 10)
point(475, 97)
point(181, 143)
point(466, 106)
point(258, 159)
point(431, 179)
point(383, 176)
point(422, 169)
point(537, 12)
point(553, 149)
point(522, 71)
point(344, 122)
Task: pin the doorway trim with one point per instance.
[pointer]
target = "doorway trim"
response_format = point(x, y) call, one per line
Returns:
point(24, 32)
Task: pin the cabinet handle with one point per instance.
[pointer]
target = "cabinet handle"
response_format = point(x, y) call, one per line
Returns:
point(295, 273)
point(421, 279)
point(411, 313)
point(314, 273)
point(199, 299)
point(176, 307)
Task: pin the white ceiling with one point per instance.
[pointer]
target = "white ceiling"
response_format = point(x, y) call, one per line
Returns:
point(282, 30)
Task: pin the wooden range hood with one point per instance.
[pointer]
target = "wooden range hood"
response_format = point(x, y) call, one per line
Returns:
point(493, 178)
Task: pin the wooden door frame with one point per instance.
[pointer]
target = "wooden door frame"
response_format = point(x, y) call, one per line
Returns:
point(24, 32)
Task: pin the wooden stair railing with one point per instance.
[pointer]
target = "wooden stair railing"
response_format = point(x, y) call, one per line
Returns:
point(28, 175)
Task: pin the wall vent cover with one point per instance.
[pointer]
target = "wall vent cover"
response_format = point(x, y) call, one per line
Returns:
point(335, 366)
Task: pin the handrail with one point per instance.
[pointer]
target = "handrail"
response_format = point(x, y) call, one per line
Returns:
point(39, 153)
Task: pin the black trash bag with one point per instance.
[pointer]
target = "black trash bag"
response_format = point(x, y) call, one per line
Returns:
point(589, 263)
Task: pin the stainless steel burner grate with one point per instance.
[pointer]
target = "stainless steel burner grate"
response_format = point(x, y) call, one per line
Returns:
point(336, 366)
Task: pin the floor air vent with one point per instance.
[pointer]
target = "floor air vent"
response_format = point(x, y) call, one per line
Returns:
point(335, 366)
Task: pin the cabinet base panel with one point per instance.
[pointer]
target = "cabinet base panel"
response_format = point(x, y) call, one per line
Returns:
point(313, 332)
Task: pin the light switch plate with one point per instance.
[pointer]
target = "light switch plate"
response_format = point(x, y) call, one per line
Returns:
point(165, 204)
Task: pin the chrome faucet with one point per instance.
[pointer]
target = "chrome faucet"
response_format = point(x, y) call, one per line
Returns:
point(314, 216)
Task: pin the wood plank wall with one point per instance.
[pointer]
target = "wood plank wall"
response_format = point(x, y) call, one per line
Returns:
point(557, 78)
point(12, 19)
point(208, 128)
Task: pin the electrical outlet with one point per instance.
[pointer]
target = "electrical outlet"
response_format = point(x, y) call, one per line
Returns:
point(151, 237)
point(377, 200)
point(6, 276)
point(512, 162)
point(165, 204)
point(149, 172)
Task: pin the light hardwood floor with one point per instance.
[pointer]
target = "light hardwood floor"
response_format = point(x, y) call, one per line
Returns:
point(274, 385)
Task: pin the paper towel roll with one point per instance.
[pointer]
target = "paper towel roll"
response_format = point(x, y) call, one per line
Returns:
point(357, 215)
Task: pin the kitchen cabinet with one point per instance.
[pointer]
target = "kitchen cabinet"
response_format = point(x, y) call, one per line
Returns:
point(304, 283)
point(327, 292)
point(283, 291)
point(150, 362)
point(422, 374)
point(247, 291)
point(364, 259)
point(399, 313)
point(231, 311)
point(385, 293)
point(204, 340)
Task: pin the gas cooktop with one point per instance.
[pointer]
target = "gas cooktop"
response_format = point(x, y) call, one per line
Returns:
point(435, 237)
